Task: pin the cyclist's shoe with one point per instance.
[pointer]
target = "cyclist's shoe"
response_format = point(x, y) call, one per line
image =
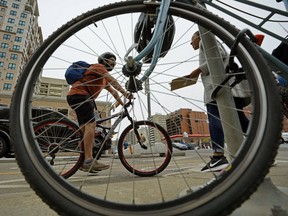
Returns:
point(95, 166)
point(91, 171)
point(215, 164)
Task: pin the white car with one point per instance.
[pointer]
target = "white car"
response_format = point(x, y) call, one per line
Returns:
point(284, 138)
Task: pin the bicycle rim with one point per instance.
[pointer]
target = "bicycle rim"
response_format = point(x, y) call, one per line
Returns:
point(60, 143)
point(142, 161)
point(180, 189)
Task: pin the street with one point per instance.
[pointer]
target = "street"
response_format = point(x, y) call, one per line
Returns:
point(17, 198)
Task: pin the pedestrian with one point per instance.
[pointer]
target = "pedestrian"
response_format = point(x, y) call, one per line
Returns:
point(81, 98)
point(218, 161)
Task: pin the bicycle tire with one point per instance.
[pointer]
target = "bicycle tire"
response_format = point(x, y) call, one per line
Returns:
point(215, 197)
point(136, 159)
point(55, 139)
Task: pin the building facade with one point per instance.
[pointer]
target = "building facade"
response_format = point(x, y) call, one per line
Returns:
point(187, 125)
point(20, 36)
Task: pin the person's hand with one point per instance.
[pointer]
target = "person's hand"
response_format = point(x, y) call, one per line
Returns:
point(194, 74)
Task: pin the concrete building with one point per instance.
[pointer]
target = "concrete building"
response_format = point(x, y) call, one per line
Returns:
point(20, 36)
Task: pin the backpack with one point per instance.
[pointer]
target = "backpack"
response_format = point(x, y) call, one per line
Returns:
point(76, 71)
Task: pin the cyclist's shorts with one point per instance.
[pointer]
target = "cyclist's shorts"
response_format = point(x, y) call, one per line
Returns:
point(84, 107)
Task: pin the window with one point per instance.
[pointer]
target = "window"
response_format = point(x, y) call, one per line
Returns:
point(12, 66)
point(6, 37)
point(18, 39)
point(22, 23)
point(1, 64)
point(2, 54)
point(4, 45)
point(13, 13)
point(20, 31)
point(15, 6)
point(9, 28)
point(3, 2)
point(11, 20)
point(9, 76)
point(23, 15)
point(7, 86)
point(1, 18)
point(14, 56)
point(16, 47)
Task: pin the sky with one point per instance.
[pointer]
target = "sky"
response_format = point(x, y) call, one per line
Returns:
point(55, 13)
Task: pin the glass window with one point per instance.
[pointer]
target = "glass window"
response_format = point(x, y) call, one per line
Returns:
point(2, 54)
point(9, 76)
point(1, 64)
point(7, 86)
point(13, 13)
point(11, 20)
point(4, 45)
point(14, 56)
point(9, 28)
point(18, 39)
point(20, 31)
point(16, 47)
point(6, 37)
point(22, 23)
point(3, 2)
point(15, 6)
point(23, 15)
point(12, 66)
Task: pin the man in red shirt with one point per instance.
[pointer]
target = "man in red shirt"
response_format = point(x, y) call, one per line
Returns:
point(81, 97)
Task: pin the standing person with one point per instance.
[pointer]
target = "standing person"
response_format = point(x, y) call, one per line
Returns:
point(81, 97)
point(218, 161)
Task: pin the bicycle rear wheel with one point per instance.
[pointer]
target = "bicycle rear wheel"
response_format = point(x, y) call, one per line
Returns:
point(60, 143)
point(140, 161)
point(116, 192)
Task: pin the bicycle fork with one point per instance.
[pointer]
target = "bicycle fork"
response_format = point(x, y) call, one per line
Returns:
point(135, 129)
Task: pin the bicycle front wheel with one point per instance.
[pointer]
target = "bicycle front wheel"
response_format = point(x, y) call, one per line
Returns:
point(144, 161)
point(180, 189)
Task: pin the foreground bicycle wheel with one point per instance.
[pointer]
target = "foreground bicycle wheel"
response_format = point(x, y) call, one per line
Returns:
point(59, 141)
point(180, 189)
point(134, 158)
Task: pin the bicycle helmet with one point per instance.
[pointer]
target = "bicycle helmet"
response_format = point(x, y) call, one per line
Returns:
point(102, 59)
point(143, 33)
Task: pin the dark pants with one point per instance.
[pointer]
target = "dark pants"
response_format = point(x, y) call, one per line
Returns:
point(215, 126)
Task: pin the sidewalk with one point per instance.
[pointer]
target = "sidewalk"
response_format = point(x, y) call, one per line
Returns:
point(271, 195)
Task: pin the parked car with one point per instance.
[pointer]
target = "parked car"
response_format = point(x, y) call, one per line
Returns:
point(284, 138)
point(38, 114)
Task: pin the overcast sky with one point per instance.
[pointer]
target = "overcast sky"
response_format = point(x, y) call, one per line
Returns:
point(54, 13)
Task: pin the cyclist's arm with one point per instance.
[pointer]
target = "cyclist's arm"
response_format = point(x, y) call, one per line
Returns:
point(113, 82)
point(115, 94)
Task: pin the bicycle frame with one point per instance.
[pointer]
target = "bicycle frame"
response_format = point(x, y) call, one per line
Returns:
point(157, 40)
point(121, 115)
